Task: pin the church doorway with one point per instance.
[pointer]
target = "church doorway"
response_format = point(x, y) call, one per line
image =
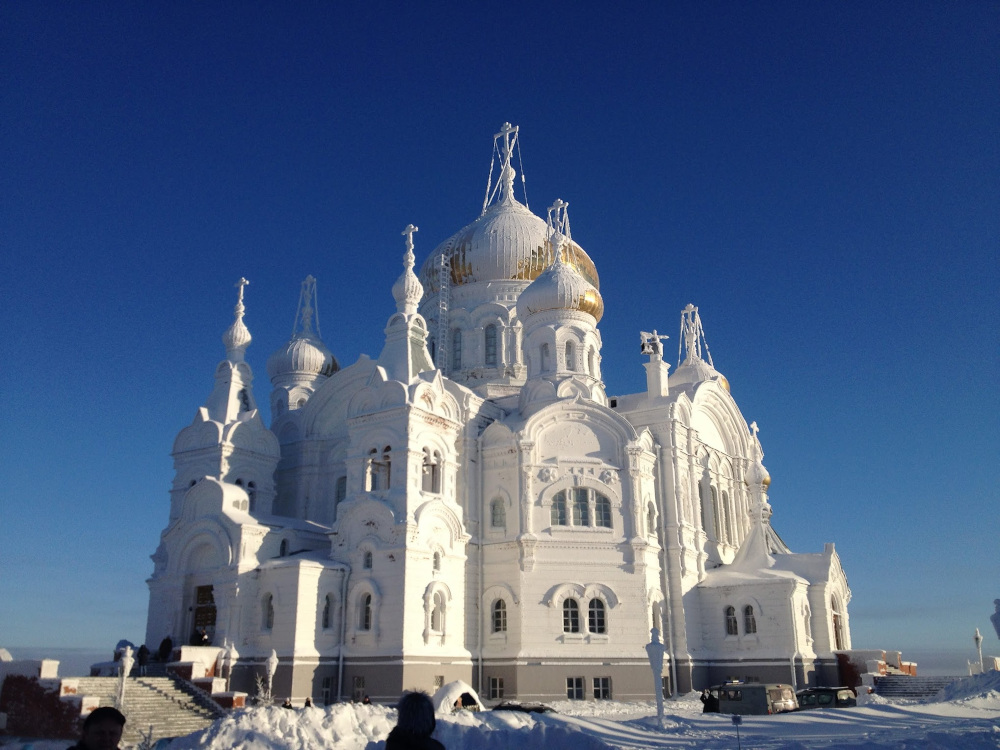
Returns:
point(204, 611)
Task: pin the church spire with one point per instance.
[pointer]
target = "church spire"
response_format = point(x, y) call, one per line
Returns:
point(756, 551)
point(237, 337)
point(405, 354)
point(408, 290)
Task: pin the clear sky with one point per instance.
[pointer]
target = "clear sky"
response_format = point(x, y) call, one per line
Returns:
point(821, 179)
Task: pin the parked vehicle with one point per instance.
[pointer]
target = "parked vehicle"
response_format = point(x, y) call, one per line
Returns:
point(826, 697)
point(528, 708)
point(750, 698)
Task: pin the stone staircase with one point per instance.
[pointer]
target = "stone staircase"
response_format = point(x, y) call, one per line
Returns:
point(913, 688)
point(172, 708)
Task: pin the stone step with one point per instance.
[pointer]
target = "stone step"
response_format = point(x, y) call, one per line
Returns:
point(172, 708)
point(906, 686)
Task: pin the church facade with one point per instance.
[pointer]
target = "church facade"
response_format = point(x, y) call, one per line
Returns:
point(473, 505)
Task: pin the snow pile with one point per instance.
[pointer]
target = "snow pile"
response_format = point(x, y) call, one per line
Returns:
point(344, 725)
point(966, 717)
point(349, 726)
point(444, 699)
point(979, 691)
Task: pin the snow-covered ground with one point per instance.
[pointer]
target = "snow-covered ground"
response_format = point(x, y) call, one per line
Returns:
point(964, 716)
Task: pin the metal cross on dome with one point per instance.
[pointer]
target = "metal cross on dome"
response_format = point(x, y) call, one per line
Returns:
point(408, 233)
point(240, 309)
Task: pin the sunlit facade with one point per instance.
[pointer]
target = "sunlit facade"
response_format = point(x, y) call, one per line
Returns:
point(473, 505)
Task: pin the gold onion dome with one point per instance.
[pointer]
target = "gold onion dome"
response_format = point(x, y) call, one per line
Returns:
point(507, 243)
point(560, 287)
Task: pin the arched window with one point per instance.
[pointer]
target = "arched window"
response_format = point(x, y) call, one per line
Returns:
point(456, 349)
point(731, 627)
point(366, 560)
point(570, 356)
point(340, 493)
point(545, 358)
point(431, 475)
point(267, 613)
point(499, 619)
point(590, 362)
point(252, 494)
point(807, 621)
point(327, 607)
point(498, 513)
point(283, 548)
point(378, 469)
point(491, 345)
point(596, 622)
point(436, 562)
point(571, 616)
point(651, 520)
point(365, 612)
point(602, 511)
point(716, 511)
point(730, 534)
point(656, 616)
point(749, 621)
point(559, 509)
point(704, 507)
point(581, 509)
point(437, 613)
point(838, 631)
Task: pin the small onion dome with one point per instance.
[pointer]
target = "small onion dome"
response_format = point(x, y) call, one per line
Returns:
point(694, 371)
point(407, 290)
point(757, 475)
point(506, 243)
point(302, 355)
point(560, 287)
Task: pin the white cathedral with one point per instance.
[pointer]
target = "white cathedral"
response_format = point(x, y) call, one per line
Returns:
point(473, 505)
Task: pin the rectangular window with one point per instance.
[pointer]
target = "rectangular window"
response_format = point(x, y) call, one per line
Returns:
point(438, 681)
point(581, 507)
point(574, 688)
point(325, 693)
point(665, 686)
point(496, 688)
point(358, 689)
point(602, 688)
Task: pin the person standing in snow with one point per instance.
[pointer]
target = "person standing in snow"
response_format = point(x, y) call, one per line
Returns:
point(414, 724)
point(102, 730)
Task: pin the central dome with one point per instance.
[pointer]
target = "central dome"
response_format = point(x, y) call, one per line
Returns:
point(506, 243)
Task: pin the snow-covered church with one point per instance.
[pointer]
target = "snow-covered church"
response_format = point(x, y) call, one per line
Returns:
point(473, 505)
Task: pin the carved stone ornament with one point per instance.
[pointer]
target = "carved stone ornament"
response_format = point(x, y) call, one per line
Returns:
point(609, 477)
point(549, 474)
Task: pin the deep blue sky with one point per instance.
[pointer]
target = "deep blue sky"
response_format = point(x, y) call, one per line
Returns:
point(820, 178)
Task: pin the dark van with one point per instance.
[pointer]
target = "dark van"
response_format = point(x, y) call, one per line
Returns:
point(826, 697)
point(753, 698)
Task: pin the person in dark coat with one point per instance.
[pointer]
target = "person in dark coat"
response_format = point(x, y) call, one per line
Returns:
point(166, 648)
point(414, 724)
point(142, 657)
point(102, 730)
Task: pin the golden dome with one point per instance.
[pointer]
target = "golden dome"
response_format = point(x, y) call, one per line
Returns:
point(561, 287)
point(506, 243)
